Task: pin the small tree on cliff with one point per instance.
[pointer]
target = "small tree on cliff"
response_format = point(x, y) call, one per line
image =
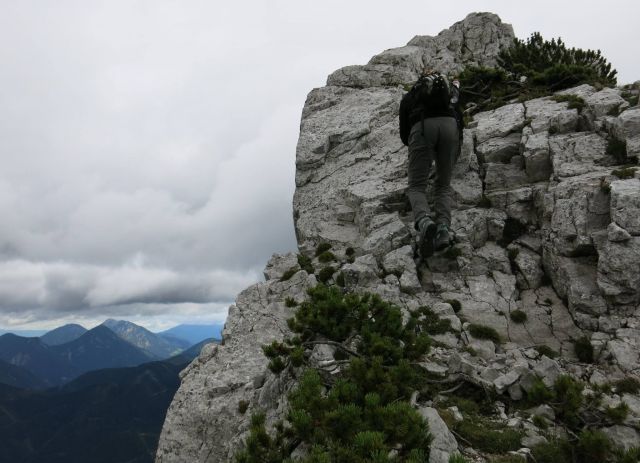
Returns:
point(532, 68)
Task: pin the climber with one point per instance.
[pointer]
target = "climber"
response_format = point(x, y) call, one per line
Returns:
point(431, 126)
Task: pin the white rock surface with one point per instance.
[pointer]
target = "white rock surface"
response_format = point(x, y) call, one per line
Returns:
point(443, 444)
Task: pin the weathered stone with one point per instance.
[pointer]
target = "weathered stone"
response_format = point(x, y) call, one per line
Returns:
point(619, 270)
point(279, 264)
point(387, 238)
point(504, 176)
point(519, 204)
point(527, 380)
point(455, 413)
point(626, 356)
point(531, 242)
point(477, 39)
point(409, 282)
point(362, 272)
point(622, 436)
point(489, 300)
point(479, 225)
point(633, 147)
point(447, 339)
point(537, 160)
point(467, 188)
point(532, 441)
point(492, 257)
point(627, 124)
point(583, 91)
point(625, 204)
point(443, 444)
point(529, 267)
point(500, 149)
point(576, 153)
point(548, 370)
point(544, 411)
point(576, 280)
point(604, 102)
point(499, 122)
point(345, 213)
point(435, 368)
point(633, 402)
point(483, 348)
point(548, 115)
point(515, 392)
point(442, 309)
point(616, 233)
point(398, 260)
point(213, 384)
point(502, 382)
point(609, 324)
point(578, 207)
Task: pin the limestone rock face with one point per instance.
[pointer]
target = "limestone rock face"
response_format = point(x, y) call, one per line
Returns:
point(541, 226)
point(203, 422)
point(475, 40)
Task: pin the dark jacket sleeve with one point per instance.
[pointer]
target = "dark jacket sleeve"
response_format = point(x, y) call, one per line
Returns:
point(457, 109)
point(404, 121)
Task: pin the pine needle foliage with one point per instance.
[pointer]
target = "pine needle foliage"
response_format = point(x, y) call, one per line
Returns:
point(363, 413)
point(533, 68)
point(552, 64)
point(627, 385)
point(484, 332)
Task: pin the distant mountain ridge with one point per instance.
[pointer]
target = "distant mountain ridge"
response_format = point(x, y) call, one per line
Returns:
point(100, 348)
point(63, 334)
point(194, 333)
point(66, 352)
point(25, 333)
point(152, 343)
point(35, 357)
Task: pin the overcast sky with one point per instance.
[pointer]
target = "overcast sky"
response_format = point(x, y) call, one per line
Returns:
point(147, 148)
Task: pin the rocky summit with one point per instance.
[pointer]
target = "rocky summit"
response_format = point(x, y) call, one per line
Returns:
point(546, 253)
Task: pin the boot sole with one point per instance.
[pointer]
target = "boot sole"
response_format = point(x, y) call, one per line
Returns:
point(426, 247)
point(442, 247)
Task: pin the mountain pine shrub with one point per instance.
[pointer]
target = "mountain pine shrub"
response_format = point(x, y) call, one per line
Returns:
point(627, 385)
point(484, 332)
point(533, 68)
point(363, 413)
point(518, 316)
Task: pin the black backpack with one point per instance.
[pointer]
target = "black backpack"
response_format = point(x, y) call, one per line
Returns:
point(430, 94)
point(432, 91)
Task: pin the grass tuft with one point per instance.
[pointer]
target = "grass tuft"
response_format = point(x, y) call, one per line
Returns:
point(484, 332)
point(583, 349)
point(518, 316)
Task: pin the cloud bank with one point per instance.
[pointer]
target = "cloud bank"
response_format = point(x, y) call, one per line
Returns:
point(148, 147)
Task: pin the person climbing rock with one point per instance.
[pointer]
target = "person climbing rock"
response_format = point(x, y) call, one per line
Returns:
point(429, 126)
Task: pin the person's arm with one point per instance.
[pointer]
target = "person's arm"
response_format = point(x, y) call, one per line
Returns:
point(404, 121)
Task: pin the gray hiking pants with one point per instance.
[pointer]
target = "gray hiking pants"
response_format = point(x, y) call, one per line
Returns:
point(439, 142)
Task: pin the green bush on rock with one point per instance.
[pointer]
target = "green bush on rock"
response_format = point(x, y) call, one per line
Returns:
point(363, 413)
point(484, 332)
point(533, 68)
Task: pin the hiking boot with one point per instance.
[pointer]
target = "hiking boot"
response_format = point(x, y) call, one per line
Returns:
point(426, 232)
point(442, 238)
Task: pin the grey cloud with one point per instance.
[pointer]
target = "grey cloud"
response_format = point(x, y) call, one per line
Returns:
point(85, 291)
point(163, 135)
